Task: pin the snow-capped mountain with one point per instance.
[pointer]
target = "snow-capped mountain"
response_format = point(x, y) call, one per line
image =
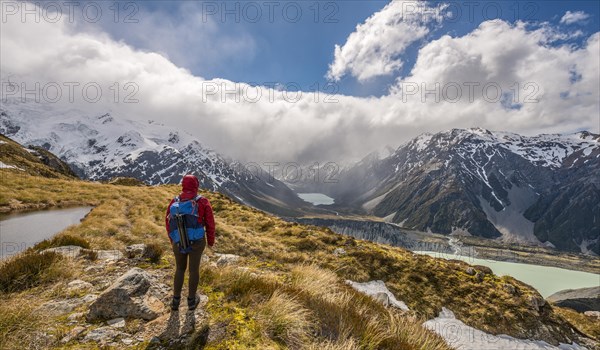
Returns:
point(103, 146)
point(539, 189)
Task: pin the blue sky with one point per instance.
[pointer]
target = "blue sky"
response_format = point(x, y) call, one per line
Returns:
point(296, 50)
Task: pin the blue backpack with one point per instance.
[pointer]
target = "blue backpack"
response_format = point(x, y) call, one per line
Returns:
point(184, 228)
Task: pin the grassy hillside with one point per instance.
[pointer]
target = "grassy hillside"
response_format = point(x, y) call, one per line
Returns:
point(34, 160)
point(287, 291)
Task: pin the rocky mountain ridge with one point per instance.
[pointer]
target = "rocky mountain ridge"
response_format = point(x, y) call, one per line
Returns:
point(541, 189)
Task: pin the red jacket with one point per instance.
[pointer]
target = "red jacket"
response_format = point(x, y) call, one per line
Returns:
point(190, 186)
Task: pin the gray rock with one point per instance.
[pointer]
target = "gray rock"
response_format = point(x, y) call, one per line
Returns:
point(592, 314)
point(509, 288)
point(155, 340)
point(109, 255)
point(78, 286)
point(131, 296)
point(116, 322)
point(69, 251)
point(479, 276)
point(135, 250)
point(127, 341)
point(470, 271)
point(95, 268)
point(75, 316)
point(88, 298)
point(484, 269)
point(103, 335)
point(227, 259)
point(73, 334)
point(339, 251)
point(580, 300)
point(536, 302)
point(60, 307)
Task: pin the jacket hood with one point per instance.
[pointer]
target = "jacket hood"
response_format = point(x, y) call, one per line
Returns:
point(189, 186)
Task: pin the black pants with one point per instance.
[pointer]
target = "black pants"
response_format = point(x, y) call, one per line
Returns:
point(181, 262)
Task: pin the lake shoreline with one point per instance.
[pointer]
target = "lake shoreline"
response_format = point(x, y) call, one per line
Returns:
point(529, 273)
point(22, 230)
point(477, 247)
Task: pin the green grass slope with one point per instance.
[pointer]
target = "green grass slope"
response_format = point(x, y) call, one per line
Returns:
point(288, 291)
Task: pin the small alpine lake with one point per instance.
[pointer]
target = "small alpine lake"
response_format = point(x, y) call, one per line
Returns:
point(316, 198)
point(547, 280)
point(19, 231)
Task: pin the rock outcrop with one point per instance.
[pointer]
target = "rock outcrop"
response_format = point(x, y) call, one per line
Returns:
point(580, 300)
point(227, 259)
point(133, 295)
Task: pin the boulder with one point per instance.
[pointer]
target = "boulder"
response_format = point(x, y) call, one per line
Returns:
point(480, 276)
point(88, 298)
point(69, 251)
point(580, 300)
point(536, 302)
point(227, 259)
point(110, 255)
point(75, 316)
point(135, 250)
point(595, 314)
point(133, 295)
point(73, 334)
point(60, 307)
point(484, 269)
point(509, 288)
point(103, 335)
point(116, 322)
point(79, 286)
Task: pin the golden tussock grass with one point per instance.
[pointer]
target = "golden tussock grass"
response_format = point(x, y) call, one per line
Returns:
point(586, 324)
point(290, 267)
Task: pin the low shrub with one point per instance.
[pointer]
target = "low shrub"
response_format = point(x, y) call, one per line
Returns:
point(153, 252)
point(62, 240)
point(28, 270)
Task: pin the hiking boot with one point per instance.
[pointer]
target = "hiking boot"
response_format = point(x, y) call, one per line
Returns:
point(175, 303)
point(193, 302)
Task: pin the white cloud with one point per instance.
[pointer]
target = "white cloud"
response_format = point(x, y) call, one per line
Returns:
point(375, 47)
point(523, 66)
point(574, 17)
point(276, 129)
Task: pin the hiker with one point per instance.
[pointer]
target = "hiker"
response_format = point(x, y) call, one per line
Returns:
point(190, 226)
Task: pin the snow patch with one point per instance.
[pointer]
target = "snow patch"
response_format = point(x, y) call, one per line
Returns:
point(585, 244)
point(510, 221)
point(7, 166)
point(460, 336)
point(459, 231)
point(389, 218)
point(373, 288)
point(422, 141)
